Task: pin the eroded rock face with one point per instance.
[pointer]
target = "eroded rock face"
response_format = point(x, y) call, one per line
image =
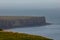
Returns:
point(20, 21)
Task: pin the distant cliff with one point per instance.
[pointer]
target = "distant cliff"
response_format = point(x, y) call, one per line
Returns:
point(20, 21)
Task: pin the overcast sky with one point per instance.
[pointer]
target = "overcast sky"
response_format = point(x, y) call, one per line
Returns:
point(35, 4)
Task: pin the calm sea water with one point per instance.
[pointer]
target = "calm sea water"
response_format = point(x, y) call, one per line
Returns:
point(52, 16)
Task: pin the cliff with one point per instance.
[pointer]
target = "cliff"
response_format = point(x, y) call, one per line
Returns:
point(20, 21)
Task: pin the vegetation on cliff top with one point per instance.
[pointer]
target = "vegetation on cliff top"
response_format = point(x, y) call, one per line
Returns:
point(19, 36)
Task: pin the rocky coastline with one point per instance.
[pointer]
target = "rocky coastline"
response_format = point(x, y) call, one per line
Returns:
point(7, 22)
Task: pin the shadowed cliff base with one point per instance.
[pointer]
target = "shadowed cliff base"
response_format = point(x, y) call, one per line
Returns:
point(26, 26)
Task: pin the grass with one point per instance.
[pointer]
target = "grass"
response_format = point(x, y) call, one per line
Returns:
point(17, 17)
point(20, 36)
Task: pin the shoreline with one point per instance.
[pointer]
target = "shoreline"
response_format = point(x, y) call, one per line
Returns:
point(18, 36)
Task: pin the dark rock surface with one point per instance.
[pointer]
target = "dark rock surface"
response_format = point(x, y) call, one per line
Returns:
point(7, 22)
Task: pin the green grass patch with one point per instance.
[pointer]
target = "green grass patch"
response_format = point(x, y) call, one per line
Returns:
point(20, 36)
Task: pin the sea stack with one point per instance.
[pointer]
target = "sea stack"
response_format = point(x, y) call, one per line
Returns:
point(7, 22)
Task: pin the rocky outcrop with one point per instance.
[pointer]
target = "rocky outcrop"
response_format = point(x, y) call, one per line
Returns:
point(20, 21)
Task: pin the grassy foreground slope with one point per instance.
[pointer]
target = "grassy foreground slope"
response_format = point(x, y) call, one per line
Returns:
point(20, 36)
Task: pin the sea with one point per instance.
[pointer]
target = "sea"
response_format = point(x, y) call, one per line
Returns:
point(52, 16)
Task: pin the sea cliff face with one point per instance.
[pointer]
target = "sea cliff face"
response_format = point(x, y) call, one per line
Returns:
point(20, 21)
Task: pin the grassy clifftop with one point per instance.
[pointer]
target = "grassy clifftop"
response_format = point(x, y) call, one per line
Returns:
point(20, 36)
point(18, 17)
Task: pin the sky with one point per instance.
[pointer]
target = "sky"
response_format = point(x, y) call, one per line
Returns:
point(29, 4)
